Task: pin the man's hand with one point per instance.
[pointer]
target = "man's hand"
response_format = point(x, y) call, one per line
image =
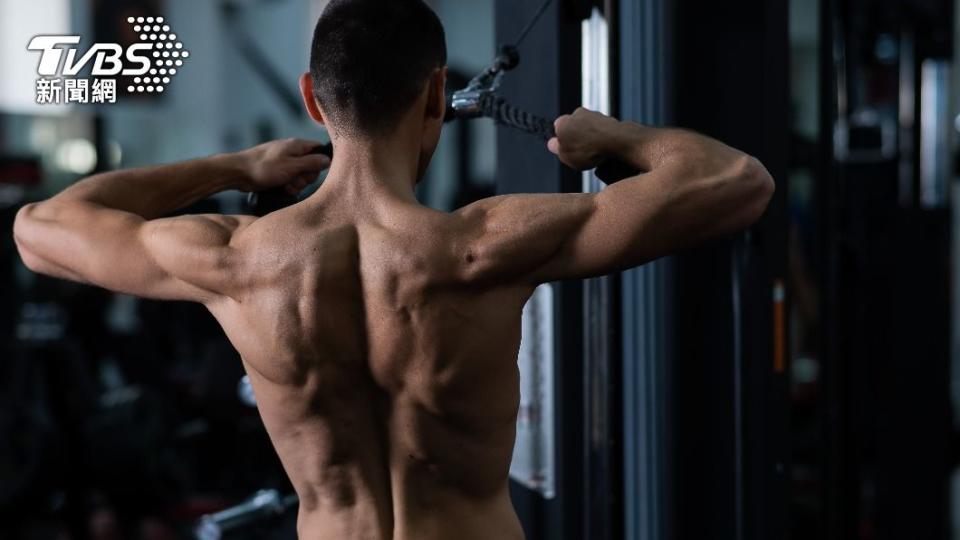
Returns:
point(289, 163)
point(583, 139)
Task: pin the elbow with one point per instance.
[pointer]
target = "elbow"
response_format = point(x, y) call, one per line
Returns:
point(758, 189)
point(24, 226)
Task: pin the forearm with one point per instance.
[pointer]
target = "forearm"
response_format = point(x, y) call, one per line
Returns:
point(648, 148)
point(152, 192)
point(706, 186)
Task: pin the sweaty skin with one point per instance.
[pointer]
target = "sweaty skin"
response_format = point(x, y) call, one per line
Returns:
point(381, 336)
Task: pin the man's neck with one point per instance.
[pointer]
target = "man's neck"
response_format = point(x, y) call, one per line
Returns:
point(386, 166)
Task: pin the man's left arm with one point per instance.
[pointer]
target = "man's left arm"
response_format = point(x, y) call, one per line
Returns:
point(107, 230)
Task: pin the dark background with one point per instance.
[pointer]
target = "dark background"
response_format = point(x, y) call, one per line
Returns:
point(790, 381)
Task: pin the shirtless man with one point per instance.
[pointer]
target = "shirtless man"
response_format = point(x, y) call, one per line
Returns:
point(381, 336)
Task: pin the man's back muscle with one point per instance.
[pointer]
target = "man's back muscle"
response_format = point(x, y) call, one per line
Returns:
point(387, 382)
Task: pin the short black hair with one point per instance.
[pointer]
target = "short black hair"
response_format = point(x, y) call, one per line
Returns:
point(371, 59)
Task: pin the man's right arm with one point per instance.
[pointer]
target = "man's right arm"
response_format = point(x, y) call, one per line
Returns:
point(691, 188)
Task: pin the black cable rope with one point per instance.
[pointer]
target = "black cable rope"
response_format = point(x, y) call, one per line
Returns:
point(503, 113)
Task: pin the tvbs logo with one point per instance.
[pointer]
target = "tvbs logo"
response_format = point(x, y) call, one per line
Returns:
point(107, 57)
point(151, 62)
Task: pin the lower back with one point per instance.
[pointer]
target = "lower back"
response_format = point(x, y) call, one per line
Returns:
point(452, 516)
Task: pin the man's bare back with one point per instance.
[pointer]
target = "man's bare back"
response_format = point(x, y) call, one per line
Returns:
point(384, 370)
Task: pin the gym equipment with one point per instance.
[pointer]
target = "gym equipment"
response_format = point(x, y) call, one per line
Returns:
point(480, 100)
point(245, 392)
point(263, 505)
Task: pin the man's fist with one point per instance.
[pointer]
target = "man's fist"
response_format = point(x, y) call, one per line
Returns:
point(289, 163)
point(583, 138)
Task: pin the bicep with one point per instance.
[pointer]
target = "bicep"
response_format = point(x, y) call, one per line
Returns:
point(643, 218)
point(183, 258)
point(541, 238)
point(626, 227)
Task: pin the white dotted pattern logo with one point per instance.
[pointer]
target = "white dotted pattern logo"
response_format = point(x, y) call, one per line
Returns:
point(167, 57)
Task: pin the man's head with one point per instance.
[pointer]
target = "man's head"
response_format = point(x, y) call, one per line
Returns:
point(372, 61)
